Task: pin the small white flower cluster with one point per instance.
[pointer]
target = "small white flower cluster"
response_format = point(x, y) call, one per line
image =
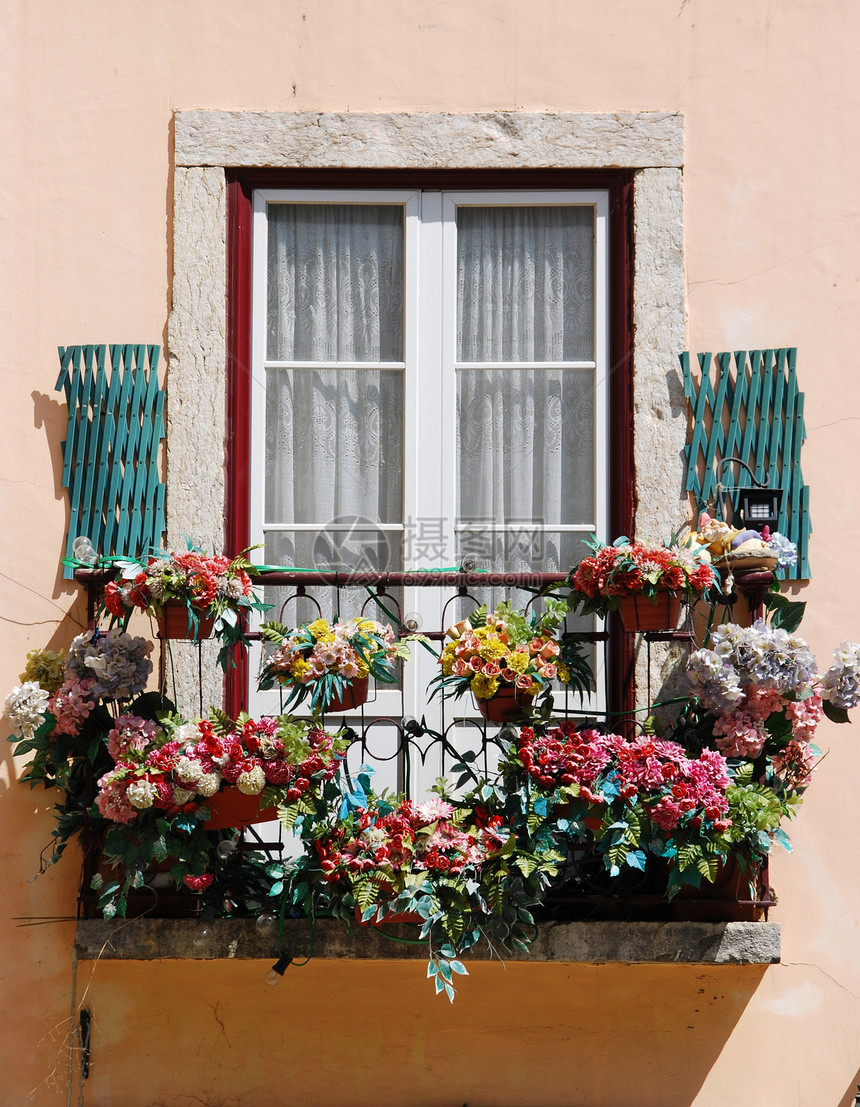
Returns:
point(25, 707)
point(841, 683)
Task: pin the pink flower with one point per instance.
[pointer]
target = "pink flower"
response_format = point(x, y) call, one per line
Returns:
point(198, 883)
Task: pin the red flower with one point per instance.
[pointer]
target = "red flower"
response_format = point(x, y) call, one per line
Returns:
point(198, 883)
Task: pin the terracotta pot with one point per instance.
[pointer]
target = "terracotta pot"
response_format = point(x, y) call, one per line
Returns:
point(351, 698)
point(158, 897)
point(230, 807)
point(726, 899)
point(505, 706)
point(639, 613)
point(173, 622)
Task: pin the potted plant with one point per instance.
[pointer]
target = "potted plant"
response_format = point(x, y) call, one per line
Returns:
point(330, 664)
point(508, 658)
point(644, 582)
point(456, 869)
point(624, 800)
point(189, 594)
point(142, 786)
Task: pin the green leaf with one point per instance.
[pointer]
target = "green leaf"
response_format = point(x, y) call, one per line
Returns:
point(835, 714)
point(787, 614)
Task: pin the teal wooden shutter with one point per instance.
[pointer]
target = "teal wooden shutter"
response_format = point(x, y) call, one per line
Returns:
point(748, 405)
point(110, 456)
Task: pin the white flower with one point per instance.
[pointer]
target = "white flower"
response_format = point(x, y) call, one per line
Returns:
point(208, 784)
point(374, 837)
point(252, 782)
point(186, 733)
point(141, 794)
point(181, 796)
point(188, 770)
point(267, 746)
point(26, 706)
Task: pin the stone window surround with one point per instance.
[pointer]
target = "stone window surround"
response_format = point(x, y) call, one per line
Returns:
point(209, 142)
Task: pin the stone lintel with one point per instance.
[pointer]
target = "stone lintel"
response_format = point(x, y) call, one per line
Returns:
point(429, 140)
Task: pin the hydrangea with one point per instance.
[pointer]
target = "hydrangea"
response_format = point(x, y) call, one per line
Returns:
point(25, 707)
point(45, 667)
point(841, 683)
point(118, 664)
point(784, 548)
point(759, 655)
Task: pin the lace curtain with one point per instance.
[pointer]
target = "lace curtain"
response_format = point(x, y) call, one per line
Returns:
point(334, 436)
point(525, 436)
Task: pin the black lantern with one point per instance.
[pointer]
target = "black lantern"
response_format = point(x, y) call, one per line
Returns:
point(759, 507)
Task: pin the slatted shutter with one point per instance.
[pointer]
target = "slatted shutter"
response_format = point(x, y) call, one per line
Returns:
point(111, 452)
point(747, 405)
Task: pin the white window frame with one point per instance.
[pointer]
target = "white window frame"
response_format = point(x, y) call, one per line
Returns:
point(430, 389)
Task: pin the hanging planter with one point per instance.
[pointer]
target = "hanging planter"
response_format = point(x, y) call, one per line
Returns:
point(175, 622)
point(230, 807)
point(639, 613)
point(505, 706)
point(351, 698)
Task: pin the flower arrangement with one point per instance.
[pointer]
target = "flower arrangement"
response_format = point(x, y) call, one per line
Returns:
point(627, 799)
point(600, 582)
point(510, 649)
point(757, 691)
point(319, 660)
point(64, 701)
point(208, 585)
point(165, 773)
point(137, 778)
point(458, 867)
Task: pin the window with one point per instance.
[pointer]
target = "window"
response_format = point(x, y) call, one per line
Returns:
point(430, 379)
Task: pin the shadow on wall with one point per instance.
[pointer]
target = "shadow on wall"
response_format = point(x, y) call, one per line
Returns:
point(853, 1094)
point(524, 1035)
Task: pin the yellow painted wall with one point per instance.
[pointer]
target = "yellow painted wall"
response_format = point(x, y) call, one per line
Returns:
point(770, 95)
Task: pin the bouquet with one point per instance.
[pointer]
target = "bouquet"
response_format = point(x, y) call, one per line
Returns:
point(319, 660)
point(208, 585)
point(509, 649)
point(459, 868)
point(600, 582)
point(626, 799)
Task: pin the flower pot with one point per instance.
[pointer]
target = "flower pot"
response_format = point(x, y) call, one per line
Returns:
point(174, 622)
point(351, 698)
point(507, 704)
point(638, 613)
point(230, 807)
point(727, 899)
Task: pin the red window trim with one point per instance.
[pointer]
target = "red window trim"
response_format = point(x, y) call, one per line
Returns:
point(240, 188)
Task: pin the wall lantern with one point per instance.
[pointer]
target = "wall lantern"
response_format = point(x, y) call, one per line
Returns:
point(758, 507)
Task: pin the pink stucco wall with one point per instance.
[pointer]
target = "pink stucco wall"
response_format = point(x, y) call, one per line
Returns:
point(770, 96)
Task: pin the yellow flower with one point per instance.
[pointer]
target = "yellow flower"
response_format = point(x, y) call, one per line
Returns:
point(320, 629)
point(300, 668)
point(447, 659)
point(46, 668)
point(519, 662)
point(485, 687)
point(563, 672)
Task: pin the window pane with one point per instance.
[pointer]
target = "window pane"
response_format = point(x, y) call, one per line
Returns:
point(525, 445)
point(358, 550)
point(525, 284)
point(334, 445)
point(335, 282)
